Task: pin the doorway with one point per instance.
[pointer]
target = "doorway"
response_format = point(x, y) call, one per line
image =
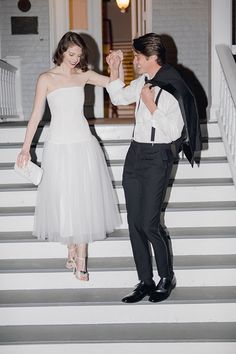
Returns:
point(139, 21)
point(117, 34)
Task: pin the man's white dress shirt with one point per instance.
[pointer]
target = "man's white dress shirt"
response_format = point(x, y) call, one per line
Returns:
point(167, 118)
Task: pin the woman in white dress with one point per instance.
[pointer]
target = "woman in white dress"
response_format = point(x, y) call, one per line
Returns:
point(76, 203)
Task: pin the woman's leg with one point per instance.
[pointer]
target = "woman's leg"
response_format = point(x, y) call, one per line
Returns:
point(72, 251)
point(81, 262)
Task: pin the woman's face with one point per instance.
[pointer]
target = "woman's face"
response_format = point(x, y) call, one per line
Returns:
point(71, 56)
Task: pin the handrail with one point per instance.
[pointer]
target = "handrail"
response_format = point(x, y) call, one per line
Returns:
point(228, 67)
point(8, 107)
point(7, 66)
point(227, 107)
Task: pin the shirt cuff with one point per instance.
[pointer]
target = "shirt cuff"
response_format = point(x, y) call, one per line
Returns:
point(115, 85)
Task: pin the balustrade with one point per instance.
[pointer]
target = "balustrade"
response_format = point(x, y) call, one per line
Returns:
point(227, 105)
point(8, 107)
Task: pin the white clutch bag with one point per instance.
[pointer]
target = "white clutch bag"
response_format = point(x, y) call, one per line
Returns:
point(31, 172)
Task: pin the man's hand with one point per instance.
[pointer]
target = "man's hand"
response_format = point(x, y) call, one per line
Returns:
point(147, 96)
point(114, 60)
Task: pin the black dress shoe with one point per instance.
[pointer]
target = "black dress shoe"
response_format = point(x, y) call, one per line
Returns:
point(140, 291)
point(163, 289)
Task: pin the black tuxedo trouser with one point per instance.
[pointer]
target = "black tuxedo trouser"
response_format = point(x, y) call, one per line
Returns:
point(145, 179)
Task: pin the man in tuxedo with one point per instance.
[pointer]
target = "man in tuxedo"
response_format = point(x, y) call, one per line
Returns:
point(165, 121)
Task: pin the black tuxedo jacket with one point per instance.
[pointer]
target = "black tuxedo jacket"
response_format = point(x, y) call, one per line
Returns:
point(170, 80)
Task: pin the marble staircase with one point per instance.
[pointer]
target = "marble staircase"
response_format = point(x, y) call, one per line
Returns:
point(44, 309)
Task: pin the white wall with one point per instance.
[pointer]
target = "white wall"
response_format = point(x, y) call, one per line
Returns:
point(33, 49)
point(186, 22)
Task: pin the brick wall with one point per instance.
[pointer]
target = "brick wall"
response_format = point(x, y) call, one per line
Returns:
point(185, 25)
point(33, 49)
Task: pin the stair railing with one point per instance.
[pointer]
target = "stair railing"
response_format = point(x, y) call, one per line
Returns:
point(227, 104)
point(8, 107)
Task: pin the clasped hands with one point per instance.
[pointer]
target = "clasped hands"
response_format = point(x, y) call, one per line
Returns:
point(114, 59)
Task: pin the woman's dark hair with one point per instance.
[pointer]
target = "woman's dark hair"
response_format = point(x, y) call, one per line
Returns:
point(68, 40)
point(150, 44)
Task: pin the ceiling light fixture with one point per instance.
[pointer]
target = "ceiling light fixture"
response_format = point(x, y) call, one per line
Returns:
point(122, 4)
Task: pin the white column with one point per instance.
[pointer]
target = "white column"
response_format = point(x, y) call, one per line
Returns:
point(59, 22)
point(95, 30)
point(221, 33)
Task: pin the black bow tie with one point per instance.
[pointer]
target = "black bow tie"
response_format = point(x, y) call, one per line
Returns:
point(147, 81)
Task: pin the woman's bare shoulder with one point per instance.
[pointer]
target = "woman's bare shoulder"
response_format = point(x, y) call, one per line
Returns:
point(43, 79)
point(51, 72)
point(47, 75)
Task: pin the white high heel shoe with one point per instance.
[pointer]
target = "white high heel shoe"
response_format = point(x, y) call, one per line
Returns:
point(80, 270)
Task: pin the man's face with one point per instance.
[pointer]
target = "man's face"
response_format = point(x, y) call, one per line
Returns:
point(140, 63)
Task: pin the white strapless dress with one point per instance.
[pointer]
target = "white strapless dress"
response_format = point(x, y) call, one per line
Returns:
point(76, 202)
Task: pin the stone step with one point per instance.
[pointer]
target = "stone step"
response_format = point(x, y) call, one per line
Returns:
point(184, 233)
point(184, 345)
point(193, 182)
point(86, 297)
point(176, 215)
point(115, 272)
point(25, 195)
point(113, 150)
point(24, 221)
point(147, 333)
point(105, 129)
point(209, 168)
point(114, 247)
point(185, 305)
point(201, 344)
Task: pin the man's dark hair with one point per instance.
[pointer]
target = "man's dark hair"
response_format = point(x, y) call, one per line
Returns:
point(68, 40)
point(150, 44)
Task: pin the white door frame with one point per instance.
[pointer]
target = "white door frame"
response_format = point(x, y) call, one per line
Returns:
point(141, 17)
point(59, 24)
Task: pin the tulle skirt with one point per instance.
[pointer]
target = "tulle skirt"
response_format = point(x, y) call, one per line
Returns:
point(76, 202)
